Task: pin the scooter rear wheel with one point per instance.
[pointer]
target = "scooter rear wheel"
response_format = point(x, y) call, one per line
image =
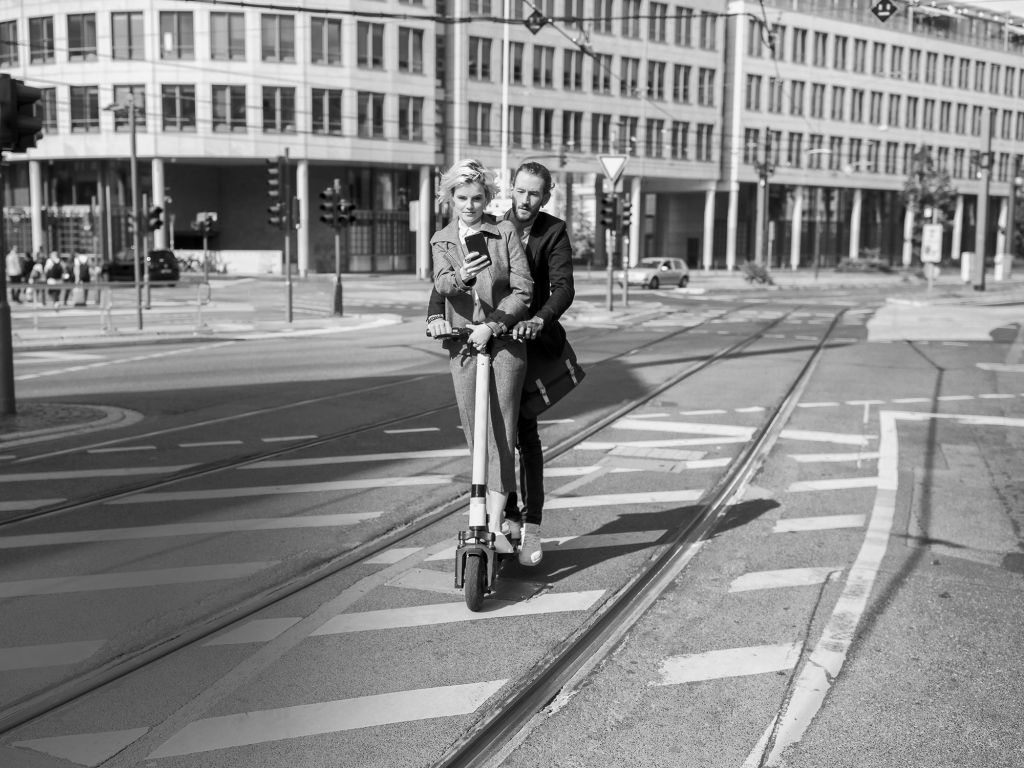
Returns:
point(476, 582)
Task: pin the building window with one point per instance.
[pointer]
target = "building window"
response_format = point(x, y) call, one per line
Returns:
point(46, 109)
point(684, 26)
point(875, 113)
point(479, 124)
point(278, 109)
point(629, 77)
point(480, 58)
point(128, 41)
point(600, 133)
point(931, 65)
point(543, 66)
point(681, 83)
point(277, 38)
point(993, 78)
point(778, 50)
point(630, 18)
point(893, 116)
point(179, 107)
point(775, 95)
point(855, 153)
point(755, 38)
point(753, 99)
point(796, 99)
point(602, 81)
point(656, 80)
point(838, 102)
point(654, 141)
point(856, 105)
point(81, 37)
point(480, 7)
point(516, 53)
point(229, 108)
point(227, 36)
point(891, 156)
point(325, 41)
point(572, 70)
point(874, 147)
point(40, 40)
point(9, 44)
point(706, 87)
point(799, 46)
point(603, 12)
point(410, 50)
point(794, 149)
point(572, 130)
point(543, 128)
point(627, 133)
point(945, 116)
point(657, 23)
point(135, 95)
point(911, 121)
point(515, 127)
point(878, 59)
point(820, 49)
point(896, 62)
point(958, 163)
point(1008, 81)
point(839, 52)
point(370, 115)
point(327, 111)
point(680, 140)
point(815, 151)
point(928, 115)
point(751, 145)
point(705, 152)
point(979, 76)
point(85, 109)
point(961, 119)
point(964, 79)
point(817, 100)
point(410, 118)
point(835, 152)
point(860, 52)
point(914, 66)
point(708, 31)
point(177, 39)
point(370, 45)
point(948, 70)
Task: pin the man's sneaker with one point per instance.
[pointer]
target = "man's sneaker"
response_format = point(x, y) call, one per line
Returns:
point(530, 552)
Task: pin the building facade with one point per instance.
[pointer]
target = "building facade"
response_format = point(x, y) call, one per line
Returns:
point(784, 131)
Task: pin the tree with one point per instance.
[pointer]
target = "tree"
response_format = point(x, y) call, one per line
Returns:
point(929, 193)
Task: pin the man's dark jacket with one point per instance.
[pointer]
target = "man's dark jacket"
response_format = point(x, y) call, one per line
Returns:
point(549, 252)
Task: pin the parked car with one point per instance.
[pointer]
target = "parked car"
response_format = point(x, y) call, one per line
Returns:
point(163, 268)
point(654, 273)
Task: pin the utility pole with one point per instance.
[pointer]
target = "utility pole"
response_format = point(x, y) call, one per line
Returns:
point(980, 234)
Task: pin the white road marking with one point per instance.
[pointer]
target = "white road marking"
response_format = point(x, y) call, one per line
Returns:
point(1002, 367)
point(622, 499)
point(786, 577)
point(185, 529)
point(555, 421)
point(996, 396)
point(209, 444)
point(411, 430)
point(255, 631)
point(729, 662)
point(865, 402)
point(593, 445)
point(955, 397)
point(440, 453)
point(826, 437)
point(566, 543)
point(751, 409)
point(427, 580)
point(51, 357)
point(447, 613)
point(708, 412)
point(688, 427)
point(833, 484)
point(818, 523)
point(814, 458)
point(326, 717)
point(282, 490)
point(27, 504)
point(903, 400)
point(90, 749)
point(391, 556)
point(657, 453)
point(47, 655)
point(650, 415)
point(288, 438)
point(817, 405)
point(131, 579)
point(122, 449)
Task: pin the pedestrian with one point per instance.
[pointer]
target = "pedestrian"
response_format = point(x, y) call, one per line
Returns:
point(80, 273)
point(66, 279)
point(15, 277)
point(549, 253)
point(490, 291)
point(37, 275)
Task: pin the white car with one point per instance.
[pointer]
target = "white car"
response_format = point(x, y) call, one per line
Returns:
point(655, 273)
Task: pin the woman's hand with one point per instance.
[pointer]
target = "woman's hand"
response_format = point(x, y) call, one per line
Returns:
point(475, 264)
point(439, 327)
point(480, 336)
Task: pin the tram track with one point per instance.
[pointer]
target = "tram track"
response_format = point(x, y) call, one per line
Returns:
point(45, 701)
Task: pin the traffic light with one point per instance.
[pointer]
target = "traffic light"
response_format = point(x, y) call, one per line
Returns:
point(153, 220)
point(625, 211)
point(19, 126)
point(346, 210)
point(277, 191)
point(129, 219)
point(609, 211)
point(329, 206)
point(206, 226)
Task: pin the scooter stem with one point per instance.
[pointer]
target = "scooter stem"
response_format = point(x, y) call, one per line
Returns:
point(481, 418)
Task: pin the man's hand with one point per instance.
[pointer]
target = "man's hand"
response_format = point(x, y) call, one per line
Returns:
point(528, 329)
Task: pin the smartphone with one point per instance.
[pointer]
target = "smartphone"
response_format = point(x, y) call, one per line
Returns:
point(478, 242)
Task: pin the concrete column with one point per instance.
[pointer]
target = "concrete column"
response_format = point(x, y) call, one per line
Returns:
point(636, 221)
point(424, 268)
point(302, 233)
point(36, 201)
point(796, 227)
point(908, 237)
point(855, 213)
point(709, 230)
point(157, 195)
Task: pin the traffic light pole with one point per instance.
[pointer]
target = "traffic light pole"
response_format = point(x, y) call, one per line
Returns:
point(286, 197)
point(339, 303)
point(137, 223)
point(7, 403)
point(145, 262)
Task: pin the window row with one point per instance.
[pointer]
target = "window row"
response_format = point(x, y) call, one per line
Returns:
point(858, 155)
point(655, 137)
point(228, 40)
point(886, 110)
point(228, 110)
point(840, 52)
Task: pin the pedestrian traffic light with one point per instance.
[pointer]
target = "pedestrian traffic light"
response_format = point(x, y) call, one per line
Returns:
point(329, 207)
point(206, 226)
point(153, 220)
point(277, 191)
point(609, 211)
point(19, 126)
point(346, 211)
point(625, 213)
point(129, 219)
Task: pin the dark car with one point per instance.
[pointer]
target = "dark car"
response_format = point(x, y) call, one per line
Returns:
point(163, 268)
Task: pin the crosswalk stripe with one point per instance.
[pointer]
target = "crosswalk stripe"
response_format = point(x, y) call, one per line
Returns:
point(255, 631)
point(786, 577)
point(447, 613)
point(810, 458)
point(618, 499)
point(130, 579)
point(833, 484)
point(185, 529)
point(440, 453)
point(85, 748)
point(594, 445)
point(693, 428)
point(282, 490)
point(730, 662)
point(47, 655)
point(77, 474)
point(589, 541)
point(819, 523)
point(326, 717)
point(27, 504)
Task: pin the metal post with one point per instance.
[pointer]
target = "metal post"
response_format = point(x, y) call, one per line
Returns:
point(136, 239)
point(981, 220)
point(286, 212)
point(7, 403)
point(146, 248)
point(338, 298)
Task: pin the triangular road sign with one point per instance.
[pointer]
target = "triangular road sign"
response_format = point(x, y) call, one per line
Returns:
point(613, 166)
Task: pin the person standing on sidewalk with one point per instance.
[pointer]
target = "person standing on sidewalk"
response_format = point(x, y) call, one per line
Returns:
point(14, 274)
point(549, 252)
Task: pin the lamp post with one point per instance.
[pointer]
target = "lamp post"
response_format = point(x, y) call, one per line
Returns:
point(129, 104)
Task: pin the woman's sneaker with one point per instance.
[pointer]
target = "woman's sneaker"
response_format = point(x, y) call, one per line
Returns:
point(530, 551)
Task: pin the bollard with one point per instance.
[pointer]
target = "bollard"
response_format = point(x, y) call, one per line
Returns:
point(202, 297)
point(107, 315)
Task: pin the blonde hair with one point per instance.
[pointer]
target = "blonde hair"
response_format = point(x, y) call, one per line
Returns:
point(467, 172)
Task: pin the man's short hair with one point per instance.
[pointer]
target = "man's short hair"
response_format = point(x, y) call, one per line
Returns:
point(536, 169)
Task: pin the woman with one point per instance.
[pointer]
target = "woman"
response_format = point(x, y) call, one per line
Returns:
point(490, 291)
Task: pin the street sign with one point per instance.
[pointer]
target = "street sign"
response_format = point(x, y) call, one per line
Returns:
point(612, 165)
point(931, 243)
point(884, 9)
point(535, 22)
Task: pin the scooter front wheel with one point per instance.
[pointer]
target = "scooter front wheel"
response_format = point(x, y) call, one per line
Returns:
point(476, 582)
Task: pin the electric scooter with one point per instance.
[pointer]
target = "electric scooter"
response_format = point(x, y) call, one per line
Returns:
point(485, 542)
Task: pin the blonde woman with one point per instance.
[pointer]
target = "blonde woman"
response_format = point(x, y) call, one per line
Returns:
point(489, 288)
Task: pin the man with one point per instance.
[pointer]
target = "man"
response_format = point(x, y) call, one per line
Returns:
point(14, 273)
point(549, 251)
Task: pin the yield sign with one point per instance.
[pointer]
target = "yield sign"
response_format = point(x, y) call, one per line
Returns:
point(612, 166)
